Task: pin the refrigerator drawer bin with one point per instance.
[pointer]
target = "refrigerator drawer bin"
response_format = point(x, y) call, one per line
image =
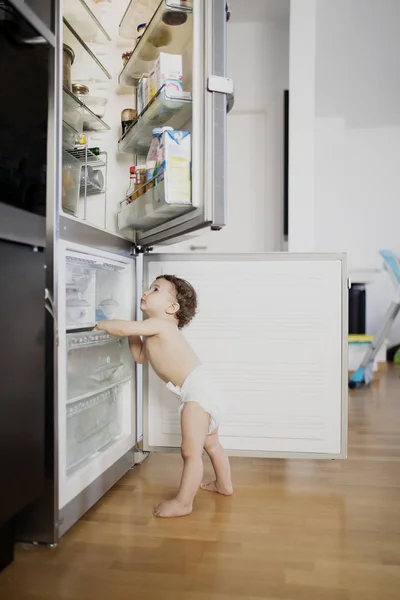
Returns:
point(92, 424)
point(96, 362)
point(150, 210)
point(80, 294)
point(71, 180)
point(73, 114)
point(111, 290)
point(69, 136)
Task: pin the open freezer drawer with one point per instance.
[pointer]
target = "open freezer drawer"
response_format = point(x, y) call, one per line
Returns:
point(272, 330)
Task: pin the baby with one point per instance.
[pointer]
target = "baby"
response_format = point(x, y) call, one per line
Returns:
point(170, 304)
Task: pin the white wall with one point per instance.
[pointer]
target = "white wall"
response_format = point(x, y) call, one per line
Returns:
point(258, 62)
point(345, 135)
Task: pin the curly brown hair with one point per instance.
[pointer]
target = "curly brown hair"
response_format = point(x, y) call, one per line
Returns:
point(186, 297)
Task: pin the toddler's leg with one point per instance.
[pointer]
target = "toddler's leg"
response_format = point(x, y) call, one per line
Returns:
point(194, 422)
point(221, 466)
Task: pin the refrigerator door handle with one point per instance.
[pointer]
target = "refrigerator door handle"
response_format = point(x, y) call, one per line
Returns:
point(218, 86)
point(222, 85)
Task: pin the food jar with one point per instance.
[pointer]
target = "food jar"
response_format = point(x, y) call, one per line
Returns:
point(68, 60)
point(80, 89)
point(128, 116)
point(140, 30)
point(126, 56)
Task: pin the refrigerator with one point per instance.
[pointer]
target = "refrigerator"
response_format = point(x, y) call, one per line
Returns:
point(271, 328)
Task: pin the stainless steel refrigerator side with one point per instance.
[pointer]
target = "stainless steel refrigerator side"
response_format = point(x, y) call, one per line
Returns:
point(39, 523)
point(31, 16)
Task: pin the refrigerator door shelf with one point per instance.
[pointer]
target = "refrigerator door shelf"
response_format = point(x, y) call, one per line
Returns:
point(150, 210)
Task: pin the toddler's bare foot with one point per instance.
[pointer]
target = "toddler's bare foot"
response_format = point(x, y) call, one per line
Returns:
point(214, 486)
point(172, 508)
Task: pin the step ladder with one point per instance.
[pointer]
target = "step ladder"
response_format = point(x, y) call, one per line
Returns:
point(365, 372)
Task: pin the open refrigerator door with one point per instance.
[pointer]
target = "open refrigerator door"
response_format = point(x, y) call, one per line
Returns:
point(162, 118)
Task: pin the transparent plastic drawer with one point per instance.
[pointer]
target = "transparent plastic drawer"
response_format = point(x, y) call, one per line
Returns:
point(92, 424)
point(111, 294)
point(95, 292)
point(80, 294)
point(96, 361)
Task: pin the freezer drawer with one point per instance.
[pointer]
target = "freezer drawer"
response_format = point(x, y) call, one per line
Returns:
point(93, 423)
point(96, 362)
point(95, 291)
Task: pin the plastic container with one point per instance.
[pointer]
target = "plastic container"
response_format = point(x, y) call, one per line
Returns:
point(96, 105)
point(71, 176)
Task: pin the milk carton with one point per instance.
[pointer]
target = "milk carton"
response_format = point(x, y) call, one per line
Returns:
point(173, 168)
point(167, 71)
point(143, 93)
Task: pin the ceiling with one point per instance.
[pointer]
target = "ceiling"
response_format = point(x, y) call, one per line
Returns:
point(243, 11)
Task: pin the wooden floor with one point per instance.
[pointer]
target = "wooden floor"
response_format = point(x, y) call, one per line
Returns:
point(294, 530)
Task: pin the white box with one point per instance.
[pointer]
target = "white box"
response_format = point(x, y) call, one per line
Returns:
point(174, 158)
point(167, 71)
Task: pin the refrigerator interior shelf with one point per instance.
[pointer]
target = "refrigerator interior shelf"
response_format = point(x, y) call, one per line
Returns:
point(87, 156)
point(172, 110)
point(84, 405)
point(89, 338)
point(86, 63)
point(104, 388)
point(150, 210)
point(170, 31)
point(84, 21)
point(73, 107)
point(79, 258)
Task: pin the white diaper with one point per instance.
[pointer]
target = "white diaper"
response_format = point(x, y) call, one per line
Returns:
point(198, 387)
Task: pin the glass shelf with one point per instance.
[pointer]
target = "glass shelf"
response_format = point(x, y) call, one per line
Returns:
point(164, 110)
point(137, 12)
point(84, 22)
point(86, 66)
point(73, 107)
point(170, 30)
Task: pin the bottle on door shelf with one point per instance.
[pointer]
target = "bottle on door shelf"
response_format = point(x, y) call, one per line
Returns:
point(130, 192)
point(151, 158)
point(140, 180)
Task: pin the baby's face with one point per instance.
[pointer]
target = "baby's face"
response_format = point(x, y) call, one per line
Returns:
point(159, 300)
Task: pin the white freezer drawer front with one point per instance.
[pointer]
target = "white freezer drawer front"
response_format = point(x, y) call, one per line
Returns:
point(272, 330)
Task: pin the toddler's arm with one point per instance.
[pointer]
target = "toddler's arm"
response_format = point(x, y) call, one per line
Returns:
point(138, 349)
point(119, 328)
